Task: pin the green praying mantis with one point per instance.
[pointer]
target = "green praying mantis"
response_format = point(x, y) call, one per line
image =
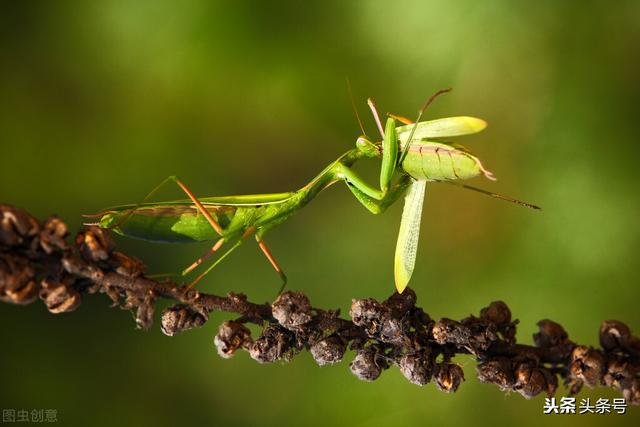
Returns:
point(412, 154)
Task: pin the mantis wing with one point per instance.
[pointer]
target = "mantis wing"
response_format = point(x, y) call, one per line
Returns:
point(442, 128)
point(407, 245)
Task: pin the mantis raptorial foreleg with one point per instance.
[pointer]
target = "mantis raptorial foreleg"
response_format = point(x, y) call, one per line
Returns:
point(352, 178)
point(378, 206)
point(389, 154)
point(389, 146)
point(374, 199)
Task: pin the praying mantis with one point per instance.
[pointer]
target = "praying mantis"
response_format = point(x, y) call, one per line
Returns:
point(411, 154)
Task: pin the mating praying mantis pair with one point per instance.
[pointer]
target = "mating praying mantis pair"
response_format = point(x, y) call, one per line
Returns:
point(412, 155)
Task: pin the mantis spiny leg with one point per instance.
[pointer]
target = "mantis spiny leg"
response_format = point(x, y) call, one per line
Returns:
point(204, 257)
point(274, 263)
point(212, 266)
point(214, 224)
point(194, 199)
point(235, 246)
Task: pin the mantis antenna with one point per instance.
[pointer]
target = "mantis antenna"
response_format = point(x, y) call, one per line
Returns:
point(405, 149)
point(355, 109)
point(495, 195)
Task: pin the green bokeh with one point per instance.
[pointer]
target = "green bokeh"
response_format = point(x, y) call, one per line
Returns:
point(99, 101)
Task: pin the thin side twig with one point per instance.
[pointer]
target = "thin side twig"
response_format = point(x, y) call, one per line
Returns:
point(37, 262)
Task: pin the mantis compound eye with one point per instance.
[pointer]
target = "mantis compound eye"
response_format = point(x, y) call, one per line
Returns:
point(367, 147)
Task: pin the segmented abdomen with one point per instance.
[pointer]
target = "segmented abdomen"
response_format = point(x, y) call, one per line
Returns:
point(168, 223)
point(436, 161)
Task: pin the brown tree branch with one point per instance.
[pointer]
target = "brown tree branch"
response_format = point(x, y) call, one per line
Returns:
point(36, 262)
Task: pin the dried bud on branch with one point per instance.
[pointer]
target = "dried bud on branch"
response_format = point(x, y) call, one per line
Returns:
point(59, 297)
point(16, 225)
point(232, 336)
point(367, 365)
point(417, 367)
point(275, 343)
point(328, 350)
point(551, 334)
point(448, 376)
point(17, 280)
point(181, 317)
point(94, 244)
point(292, 309)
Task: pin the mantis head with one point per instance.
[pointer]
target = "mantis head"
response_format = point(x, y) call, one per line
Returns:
point(368, 148)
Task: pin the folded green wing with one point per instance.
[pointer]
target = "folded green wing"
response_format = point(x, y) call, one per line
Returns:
point(442, 128)
point(407, 245)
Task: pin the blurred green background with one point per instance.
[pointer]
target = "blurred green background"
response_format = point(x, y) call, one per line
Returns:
point(99, 101)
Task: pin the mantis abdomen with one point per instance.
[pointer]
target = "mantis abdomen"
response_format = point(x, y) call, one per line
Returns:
point(183, 222)
point(437, 161)
point(168, 224)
